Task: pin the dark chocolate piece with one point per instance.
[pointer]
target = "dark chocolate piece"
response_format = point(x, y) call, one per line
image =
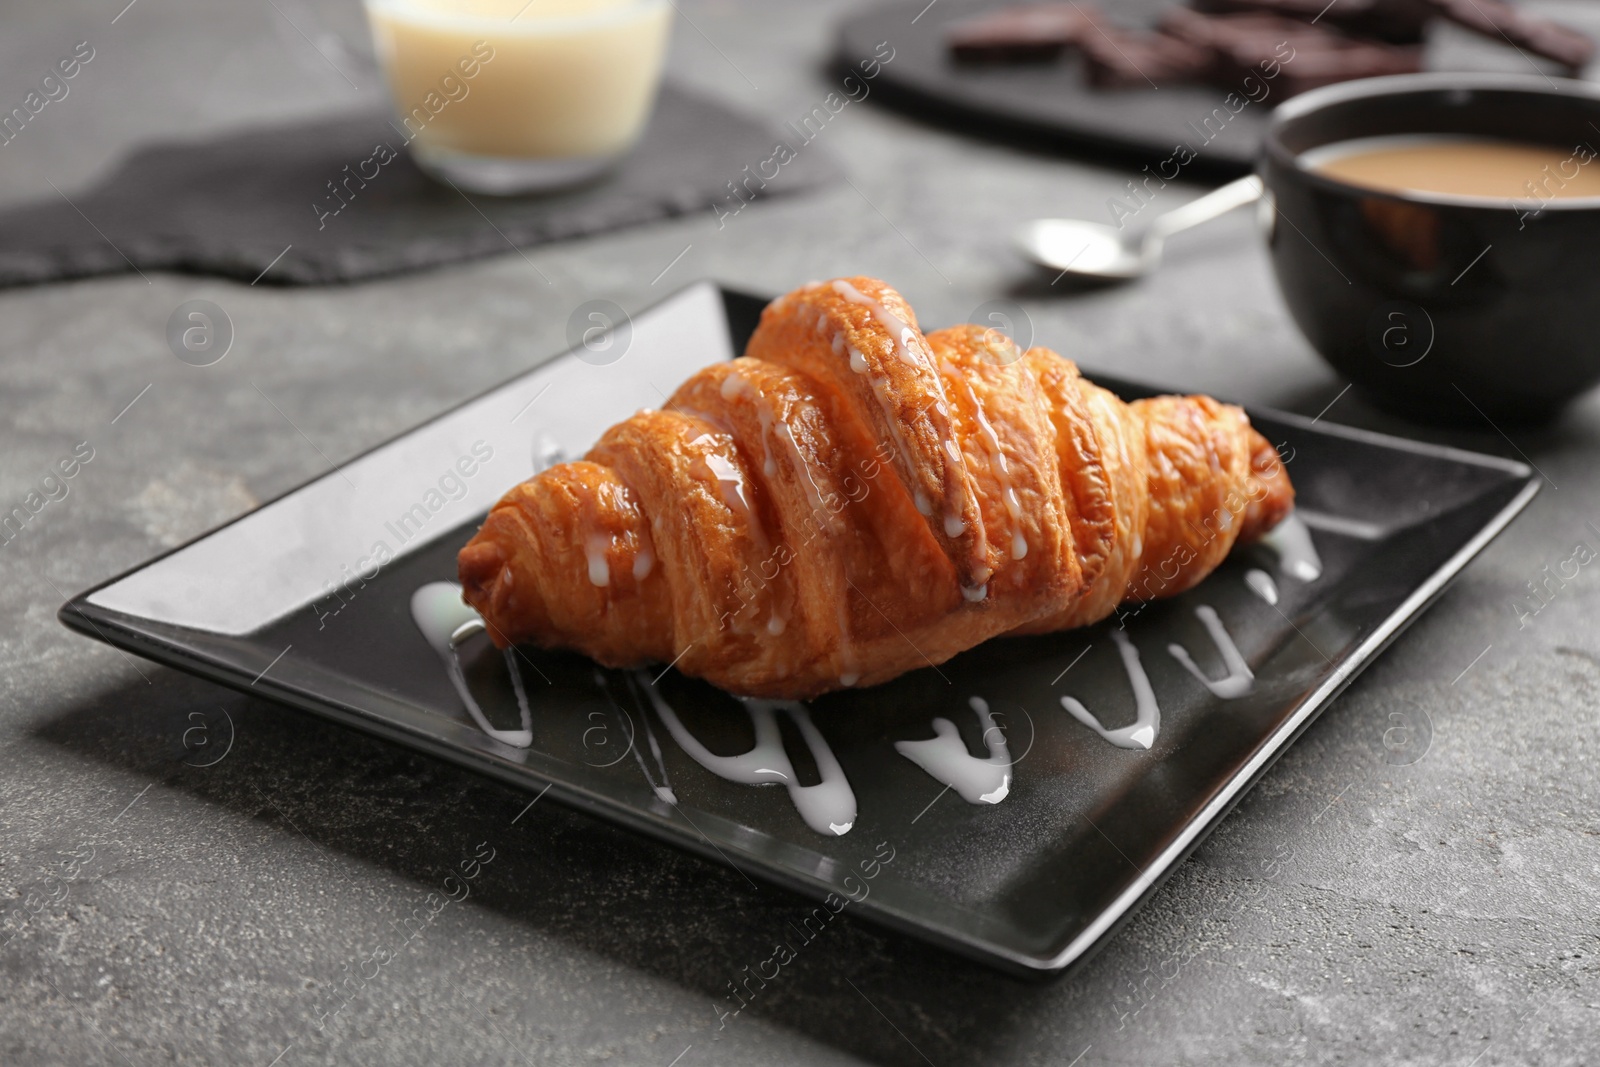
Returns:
point(1500, 21)
point(1117, 58)
point(1307, 43)
point(1403, 22)
point(1314, 68)
point(1393, 21)
point(1297, 55)
point(1027, 33)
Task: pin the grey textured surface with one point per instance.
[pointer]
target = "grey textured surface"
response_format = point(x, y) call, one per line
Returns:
point(1351, 909)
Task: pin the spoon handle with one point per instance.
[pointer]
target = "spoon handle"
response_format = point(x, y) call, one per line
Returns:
point(1217, 202)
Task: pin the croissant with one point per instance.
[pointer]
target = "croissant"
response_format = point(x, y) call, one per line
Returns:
point(852, 500)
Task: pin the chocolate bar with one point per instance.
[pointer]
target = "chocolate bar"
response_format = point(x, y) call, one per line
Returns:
point(1303, 56)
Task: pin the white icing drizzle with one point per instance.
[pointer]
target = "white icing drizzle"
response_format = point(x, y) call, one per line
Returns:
point(829, 807)
point(594, 550)
point(768, 467)
point(1297, 552)
point(446, 622)
point(643, 562)
point(715, 421)
point(945, 757)
point(880, 390)
point(1239, 680)
point(736, 385)
point(998, 463)
point(1261, 584)
point(975, 593)
point(858, 362)
point(731, 486)
point(733, 492)
point(663, 791)
point(819, 509)
point(849, 670)
point(905, 343)
point(1147, 723)
point(1019, 541)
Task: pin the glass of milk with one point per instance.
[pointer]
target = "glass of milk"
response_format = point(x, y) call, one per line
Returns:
point(515, 96)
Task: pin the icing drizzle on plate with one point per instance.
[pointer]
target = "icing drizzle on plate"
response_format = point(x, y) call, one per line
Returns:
point(446, 621)
point(945, 757)
point(829, 806)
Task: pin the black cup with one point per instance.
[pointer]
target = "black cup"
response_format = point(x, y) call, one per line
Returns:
point(1441, 307)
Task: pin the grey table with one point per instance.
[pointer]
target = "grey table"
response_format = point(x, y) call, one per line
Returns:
point(1350, 910)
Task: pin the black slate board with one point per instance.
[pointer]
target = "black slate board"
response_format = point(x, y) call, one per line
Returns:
point(242, 203)
point(1049, 107)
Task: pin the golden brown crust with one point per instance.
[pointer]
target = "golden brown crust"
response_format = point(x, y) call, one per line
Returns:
point(1271, 495)
point(1000, 418)
point(787, 525)
point(858, 340)
point(528, 569)
point(1101, 446)
point(844, 552)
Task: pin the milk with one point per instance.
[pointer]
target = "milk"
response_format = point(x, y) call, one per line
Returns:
point(519, 93)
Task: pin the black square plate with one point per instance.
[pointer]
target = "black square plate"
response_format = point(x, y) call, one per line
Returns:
point(307, 600)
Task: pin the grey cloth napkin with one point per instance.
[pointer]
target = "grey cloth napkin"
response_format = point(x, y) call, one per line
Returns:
point(257, 204)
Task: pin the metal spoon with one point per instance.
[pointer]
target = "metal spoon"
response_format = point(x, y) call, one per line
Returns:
point(1095, 250)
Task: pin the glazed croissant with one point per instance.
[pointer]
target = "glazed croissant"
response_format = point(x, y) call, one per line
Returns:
point(853, 499)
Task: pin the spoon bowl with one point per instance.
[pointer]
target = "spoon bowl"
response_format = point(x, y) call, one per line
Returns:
point(1095, 250)
point(1088, 249)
